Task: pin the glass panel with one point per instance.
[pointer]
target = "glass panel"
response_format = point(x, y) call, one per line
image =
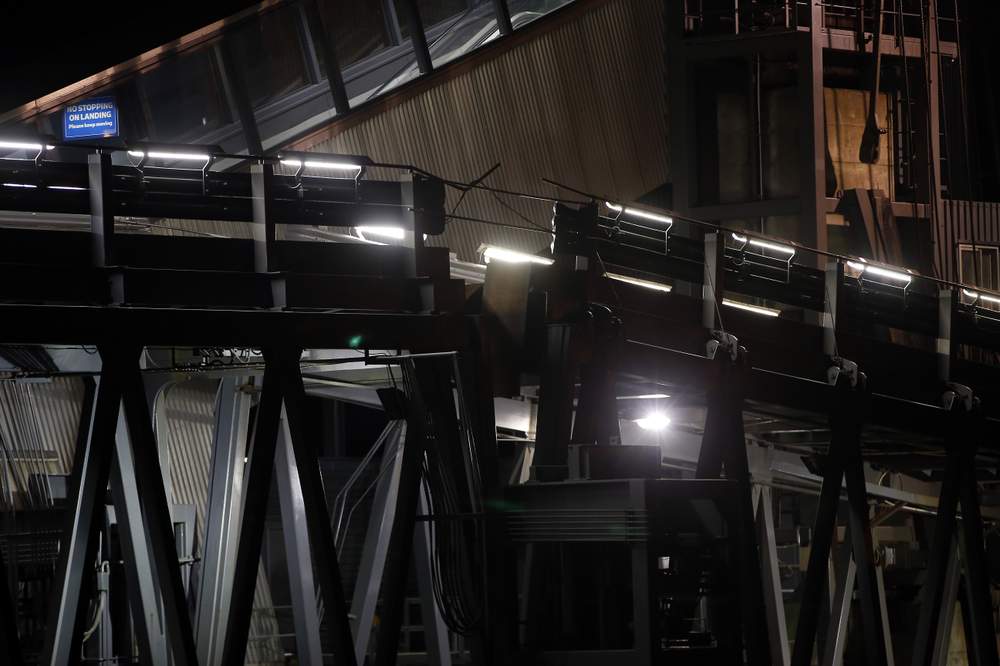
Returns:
point(432, 12)
point(358, 28)
point(269, 54)
point(523, 12)
point(464, 32)
point(184, 97)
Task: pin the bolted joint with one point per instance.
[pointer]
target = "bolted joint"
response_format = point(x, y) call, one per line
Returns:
point(727, 342)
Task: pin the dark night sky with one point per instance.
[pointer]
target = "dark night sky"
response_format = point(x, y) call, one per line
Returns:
point(48, 44)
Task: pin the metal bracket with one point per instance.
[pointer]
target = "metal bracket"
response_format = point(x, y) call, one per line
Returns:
point(727, 341)
point(959, 392)
point(842, 366)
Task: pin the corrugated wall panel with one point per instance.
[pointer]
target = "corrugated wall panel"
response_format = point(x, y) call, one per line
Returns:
point(964, 222)
point(583, 103)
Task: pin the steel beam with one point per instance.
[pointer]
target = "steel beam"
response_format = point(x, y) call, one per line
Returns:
point(102, 209)
point(92, 468)
point(317, 516)
point(435, 631)
point(156, 517)
point(946, 618)
point(298, 553)
point(257, 484)
point(401, 537)
point(774, 600)
point(503, 17)
point(417, 36)
point(836, 637)
point(376, 546)
point(323, 38)
point(225, 493)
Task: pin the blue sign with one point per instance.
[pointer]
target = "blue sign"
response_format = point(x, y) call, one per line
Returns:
point(91, 118)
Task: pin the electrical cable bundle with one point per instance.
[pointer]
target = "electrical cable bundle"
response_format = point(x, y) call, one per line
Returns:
point(457, 572)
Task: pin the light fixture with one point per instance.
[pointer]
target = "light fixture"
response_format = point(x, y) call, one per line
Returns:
point(67, 188)
point(26, 186)
point(756, 309)
point(21, 145)
point(635, 212)
point(774, 247)
point(639, 282)
point(644, 396)
point(315, 164)
point(654, 421)
point(976, 296)
point(163, 155)
point(493, 252)
point(866, 269)
point(394, 233)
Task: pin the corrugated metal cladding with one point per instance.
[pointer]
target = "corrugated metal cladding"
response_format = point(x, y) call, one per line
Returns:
point(583, 104)
point(964, 222)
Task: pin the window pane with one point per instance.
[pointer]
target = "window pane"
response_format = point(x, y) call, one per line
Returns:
point(432, 12)
point(465, 32)
point(269, 54)
point(358, 28)
point(184, 97)
point(526, 11)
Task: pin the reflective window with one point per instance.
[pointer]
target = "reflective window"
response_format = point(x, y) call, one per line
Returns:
point(269, 54)
point(526, 11)
point(184, 97)
point(432, 12)
point(466, 32)
point(358, 29)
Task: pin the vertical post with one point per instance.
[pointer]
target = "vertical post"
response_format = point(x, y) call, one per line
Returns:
point(555, 405)
point(325, 43)
point(92, 469)
point(156, 516)
point(401, 538)
point(681, 103)
point(983, 643)
point(264, 237)
point(942, 637)
point(298, 554)
point(711, 288)
point(503, 17)
point(836, 641)
point(417, 36)
point(236, 87)
point(102, 209)
point(257, 485)
point(933, 64)
point(844, 425)
point(225, 492)
point(317, 515)
point(773, 598)
point(373, 553)
point(932, 592)
point(812, 145)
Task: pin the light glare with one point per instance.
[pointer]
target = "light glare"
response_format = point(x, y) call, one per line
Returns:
point(654, 421)
point(395, 233)
point(512, 257)
point(639, 282)
point(756, 309)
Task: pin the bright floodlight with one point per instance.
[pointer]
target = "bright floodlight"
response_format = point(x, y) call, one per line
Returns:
point(639, 282)
point(654, 421)
point(333, 166)
point(981, 297)
point(21, 145)
point(26, 186)
point(492, 253)
point(635, 212)
point(162, 155)
point(67, 188)
point(394, 233)
point(774, 247)
point(644, 396)
point(756, 309)
point(881, 272)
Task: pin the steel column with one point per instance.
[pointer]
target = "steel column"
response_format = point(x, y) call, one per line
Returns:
point(836, 639)
point(417, 36)
point(946, 617)
point(503, 17)
point(257, 485)
point(263, 227)
point(773, 597)
point(555, 405)
point(156, 517)
point(937, 564)
point(102, 209)
point(324, 40)
point(225, 492)
point(435, 631)
point(10, 643)
point(298, 554)
point(317, 516)
point(401, 539)
point(373, 553)
point(92, 468)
